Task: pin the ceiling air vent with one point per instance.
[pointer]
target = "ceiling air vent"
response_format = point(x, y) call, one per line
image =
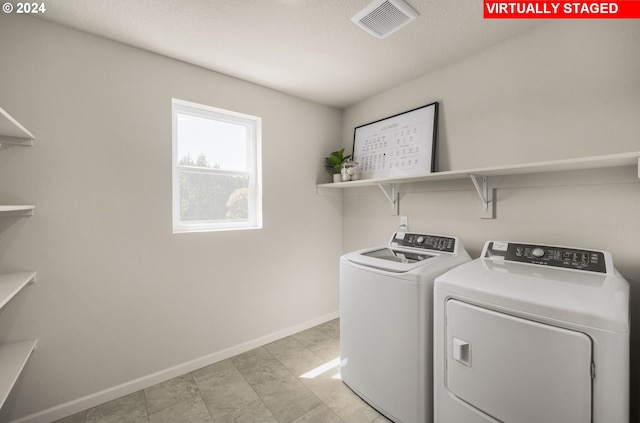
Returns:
point(384, 17)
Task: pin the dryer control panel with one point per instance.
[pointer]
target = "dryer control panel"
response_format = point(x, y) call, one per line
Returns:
point(547, 255)
point(424, 241)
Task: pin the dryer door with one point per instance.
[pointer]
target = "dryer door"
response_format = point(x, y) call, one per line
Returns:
point(517, 370)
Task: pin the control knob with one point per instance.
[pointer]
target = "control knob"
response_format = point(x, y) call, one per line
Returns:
point(537, 252)
point(420, 240)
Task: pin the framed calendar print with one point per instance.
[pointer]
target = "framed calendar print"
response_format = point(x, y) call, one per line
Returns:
point(402, 145)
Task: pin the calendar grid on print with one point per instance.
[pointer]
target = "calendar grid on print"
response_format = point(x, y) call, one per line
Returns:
point(398, 146)
point(398, 149)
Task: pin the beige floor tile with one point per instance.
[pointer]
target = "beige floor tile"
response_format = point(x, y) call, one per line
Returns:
point(223, 388)
point(342, 400)
point(191, 410)
point(253, 359)
point(254, 412)
point(381, 419)
point(320, 414)
point(281, 391)
point(297, 358)
point(171, 392)
point(290, 401)
point(131, 409)
point(323, 340)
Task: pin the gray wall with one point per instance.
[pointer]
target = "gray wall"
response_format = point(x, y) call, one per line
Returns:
point(118, 296)
point(569, 89)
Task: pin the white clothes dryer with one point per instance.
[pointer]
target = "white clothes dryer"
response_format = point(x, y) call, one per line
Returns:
point(532, 333)
point(386, 320)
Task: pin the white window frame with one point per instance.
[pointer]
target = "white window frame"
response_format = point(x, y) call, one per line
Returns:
point(253, 172)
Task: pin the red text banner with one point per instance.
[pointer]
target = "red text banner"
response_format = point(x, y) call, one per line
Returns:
point(628, 9)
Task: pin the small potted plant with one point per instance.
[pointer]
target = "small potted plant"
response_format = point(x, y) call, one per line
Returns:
point(333, 163)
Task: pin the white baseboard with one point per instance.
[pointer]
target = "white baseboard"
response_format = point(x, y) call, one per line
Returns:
point(109, 394)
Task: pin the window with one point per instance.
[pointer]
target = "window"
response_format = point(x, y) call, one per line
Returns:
point(216, 169)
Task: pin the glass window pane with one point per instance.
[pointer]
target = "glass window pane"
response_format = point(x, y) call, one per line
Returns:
point(211, 197)
point(211, 143)
point(217, 183)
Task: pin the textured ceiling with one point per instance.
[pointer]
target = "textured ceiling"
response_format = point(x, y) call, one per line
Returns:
point(307, 48)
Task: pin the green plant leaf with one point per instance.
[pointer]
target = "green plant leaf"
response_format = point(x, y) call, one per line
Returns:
point(335, 159)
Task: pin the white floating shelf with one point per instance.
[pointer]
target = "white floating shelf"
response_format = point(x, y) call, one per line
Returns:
point(13, 358)
point(12, 283)
point(595, 162)
point(11, 132)
point(479, 176)
point(17, 210)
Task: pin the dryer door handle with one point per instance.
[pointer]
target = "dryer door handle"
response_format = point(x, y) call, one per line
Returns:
point(461, 351)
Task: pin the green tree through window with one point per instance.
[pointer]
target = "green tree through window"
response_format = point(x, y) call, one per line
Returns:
point(211, 197)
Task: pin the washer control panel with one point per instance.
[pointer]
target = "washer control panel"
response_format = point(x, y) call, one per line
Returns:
point(423, 241)
point(546, 255)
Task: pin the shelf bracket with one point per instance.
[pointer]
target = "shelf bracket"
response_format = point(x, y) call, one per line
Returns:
point(485, 198)
point(393, 196)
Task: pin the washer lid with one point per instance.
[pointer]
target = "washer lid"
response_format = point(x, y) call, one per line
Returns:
point(397, 260)
point(409, 251)
point(398, 256)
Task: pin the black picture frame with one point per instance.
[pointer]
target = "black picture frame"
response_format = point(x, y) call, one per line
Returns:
point(401, 145)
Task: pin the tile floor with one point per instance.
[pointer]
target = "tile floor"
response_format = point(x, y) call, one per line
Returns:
point(264, 385)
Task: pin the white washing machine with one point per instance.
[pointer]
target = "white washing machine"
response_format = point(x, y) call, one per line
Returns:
point(386, 321)
point(532, 333)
